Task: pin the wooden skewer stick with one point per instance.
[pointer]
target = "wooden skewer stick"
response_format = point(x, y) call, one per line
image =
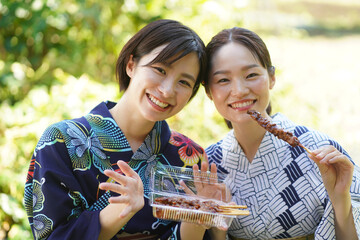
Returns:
point(308, 150)
point(236, 212)
point(232, 206)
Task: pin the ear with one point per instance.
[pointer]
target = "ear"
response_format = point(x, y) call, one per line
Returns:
point(272, 81)
point(130, 67)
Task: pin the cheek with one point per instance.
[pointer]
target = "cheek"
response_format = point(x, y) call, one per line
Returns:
point(261, 87)
point(219, 94)
point(184, 96)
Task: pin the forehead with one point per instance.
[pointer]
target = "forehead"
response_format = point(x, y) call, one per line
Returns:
point(231, 55)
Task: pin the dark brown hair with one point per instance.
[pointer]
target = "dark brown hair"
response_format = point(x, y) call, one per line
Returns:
point(180, 40)
point(246, 38)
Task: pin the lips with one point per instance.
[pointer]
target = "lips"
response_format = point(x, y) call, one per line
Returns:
point(157, 102)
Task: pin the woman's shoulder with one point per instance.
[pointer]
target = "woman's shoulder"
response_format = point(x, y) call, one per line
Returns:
point(214, 147)
point(63, 126)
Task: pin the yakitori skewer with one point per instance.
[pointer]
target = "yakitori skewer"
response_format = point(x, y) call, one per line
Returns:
point(278, 132)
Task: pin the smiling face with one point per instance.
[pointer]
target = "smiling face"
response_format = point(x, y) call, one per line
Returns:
point(238, 82)
point(159, 90)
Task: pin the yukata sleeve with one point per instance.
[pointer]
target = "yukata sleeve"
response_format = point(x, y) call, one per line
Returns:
point(326, 228)
point(53, 199)
point(355, 199)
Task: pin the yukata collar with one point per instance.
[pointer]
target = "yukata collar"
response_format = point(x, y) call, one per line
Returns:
point(155, 142)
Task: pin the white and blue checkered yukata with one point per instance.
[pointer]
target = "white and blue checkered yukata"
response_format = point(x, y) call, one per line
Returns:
point(282, 187)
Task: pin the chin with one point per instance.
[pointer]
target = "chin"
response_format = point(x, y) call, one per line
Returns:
point(157, 117)
point(240, 120)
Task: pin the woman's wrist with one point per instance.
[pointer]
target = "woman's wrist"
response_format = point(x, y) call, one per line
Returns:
point(342, 209)
point(191, 231)
point(344, 222)
point(341, 203)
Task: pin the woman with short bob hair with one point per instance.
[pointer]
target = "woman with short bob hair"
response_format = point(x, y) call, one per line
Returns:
point(89, 177)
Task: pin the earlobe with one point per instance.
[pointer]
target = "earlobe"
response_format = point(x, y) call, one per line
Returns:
point(130, 66)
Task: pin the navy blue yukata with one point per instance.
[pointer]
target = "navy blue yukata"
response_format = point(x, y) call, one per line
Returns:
point(62, 196)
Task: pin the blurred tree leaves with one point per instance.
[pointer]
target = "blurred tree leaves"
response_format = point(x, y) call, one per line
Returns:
point(40, 37)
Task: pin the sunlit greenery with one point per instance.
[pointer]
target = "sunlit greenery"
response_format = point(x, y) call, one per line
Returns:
point(57, 61)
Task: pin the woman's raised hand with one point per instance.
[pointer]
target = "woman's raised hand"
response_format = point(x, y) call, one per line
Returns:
point(206, 183)
point(336, 171)
point(129, 186)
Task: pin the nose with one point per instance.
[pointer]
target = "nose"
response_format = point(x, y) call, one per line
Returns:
point(239, 88)
point(167, 88)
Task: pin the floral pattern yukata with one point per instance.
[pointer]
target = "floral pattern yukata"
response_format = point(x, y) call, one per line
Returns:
point(282, 187)
point(62, 196)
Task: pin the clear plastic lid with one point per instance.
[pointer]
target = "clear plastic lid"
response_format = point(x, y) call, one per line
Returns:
point(180, 194)
point(166, 180)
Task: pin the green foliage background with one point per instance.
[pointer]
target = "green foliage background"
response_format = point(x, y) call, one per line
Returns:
point(57, 61)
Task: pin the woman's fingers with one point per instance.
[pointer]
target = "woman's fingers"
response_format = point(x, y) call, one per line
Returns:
point(328, 157)
point(204, 172)
point(129, 174)
point(117, 177)
point(320, 153)
point(186, 189)
point(127, 170)
point(130, 187)
point(114, 187)
point(197, 178)
point(213, 174)
point(120, 199)
point(204, 166)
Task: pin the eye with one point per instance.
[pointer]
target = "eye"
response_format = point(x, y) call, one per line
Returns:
point(160, 70)
point(186, 83)
point(252, 75)
point(223, 80)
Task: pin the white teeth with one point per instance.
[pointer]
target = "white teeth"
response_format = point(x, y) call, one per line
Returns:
point(157, 102)
point(240, 105)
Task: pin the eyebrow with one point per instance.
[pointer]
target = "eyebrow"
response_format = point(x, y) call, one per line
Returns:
point(186, 75)
point(243, 69)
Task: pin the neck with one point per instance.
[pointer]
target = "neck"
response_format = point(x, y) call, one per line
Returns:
point(134, 127)
point(249, 135)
